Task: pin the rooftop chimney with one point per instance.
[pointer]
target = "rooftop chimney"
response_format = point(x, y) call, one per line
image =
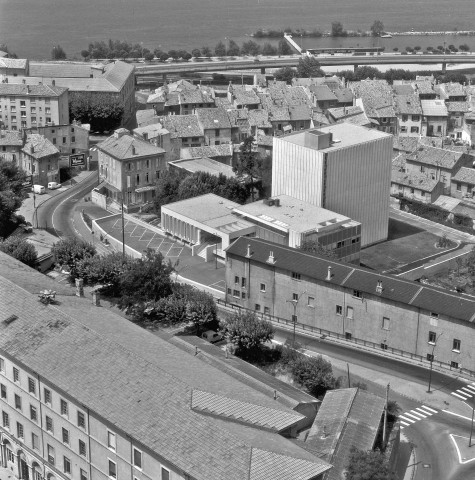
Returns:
point(32, 149)
point(271, 258)
point(248, 252)
point(53, 82)
point(379, 287)
point(329, 274)
point(133, 150)
point(23, 81)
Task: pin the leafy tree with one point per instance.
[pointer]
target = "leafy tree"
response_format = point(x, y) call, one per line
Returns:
point(337, 30)
point(464, 47)
point(312, 246)
point(269, 50)
point(247, 332)
point(284, 48)
point(58, 53)
point(101, 110)
point(11, 195)
point(4, 48)
point(233, 49)
point(220, 49)
point(377, 28)
point(249, 164)
point(393, 411)
point(173, 54)
point(149, 57)
point(368, 466)
point(395, 49)
point(69, 251)
point(145, 279)
point(309, 67)
point(17, 247)
point(85, 54)
point(196, 52)
point(285, 74)
point(250, 48)
point(205, 52)
point(409, 49)
point(314, 374)
point(417, 48)
point(164, 56)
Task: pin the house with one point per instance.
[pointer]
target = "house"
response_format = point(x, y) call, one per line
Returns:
point(317, 165)
point(344, 97)
point(463, 183)
point(468, 127)
point(129, 167)
point(279, 117)
point(354, 115)
point(323, 97)
point(239, 120)
point(351, 302)
point(202, 164)
point(438, 164)
point(259, 120)
point(40, 159)
point(243, 97)
point(300, 117)
point(26, 106)
point(435, 116)
point(451, 92)
point(221, 153)
point(11, 143)
point(14, 66)
point(425, 89)
point(456, 113)
point(409, 114)
point(215, 125)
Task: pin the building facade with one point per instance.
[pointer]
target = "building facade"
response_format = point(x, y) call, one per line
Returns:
point(40, 159)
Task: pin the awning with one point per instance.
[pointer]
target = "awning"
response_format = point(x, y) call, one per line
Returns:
point(144, 189)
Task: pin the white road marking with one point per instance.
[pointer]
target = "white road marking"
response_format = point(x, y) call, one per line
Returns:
point(462, 461)
point(469, 392)
point(457, 395)
point(458, 415)
point(412, 416)
point(428, 408)
point(471, 389)
point(405, 424)
point(425, 412)
point(466, 395)
point(407, 419)
point(417, 413)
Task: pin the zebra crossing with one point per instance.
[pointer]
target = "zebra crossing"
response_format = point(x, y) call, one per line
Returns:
point(406, 419)
point(465, 393)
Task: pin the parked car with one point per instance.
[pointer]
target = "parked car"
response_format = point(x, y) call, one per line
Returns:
point(53, 185)
point(38, 189)
point(212, 336)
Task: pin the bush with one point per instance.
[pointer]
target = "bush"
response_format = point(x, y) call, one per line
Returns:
point(69, 251)
point(17, 247)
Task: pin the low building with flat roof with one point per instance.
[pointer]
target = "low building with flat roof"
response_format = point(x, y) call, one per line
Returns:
point(202, 164)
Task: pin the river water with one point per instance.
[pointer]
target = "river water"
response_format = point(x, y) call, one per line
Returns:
point(32, 27)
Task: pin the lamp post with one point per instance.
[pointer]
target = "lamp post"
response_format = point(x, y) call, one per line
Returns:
point(431, 361)
point(295, 302)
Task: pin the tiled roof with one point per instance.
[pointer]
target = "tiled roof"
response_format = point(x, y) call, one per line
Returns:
point(431, 141)
point(322, 92)
point(238, 117)
point(259, 118)
point(408, 104)
point(354, 277)
point(72, 84)
point(300, 112)
point(157, 97)
point(127, 146)
point(343, 95)
point(377, 98)
point(152, 131)
point(38, 146)
point(117, 73)
point(222, 102)
point(145, 117)
point(195, 95)
point(403, 89)
point(204, 164)
point(424, 87)
point(458, 106)
point(434, 108)
point(182, 125)
point(11, 138)
point(344, 112)
point(13, 62)
point(440, 157)
point(244, 96)
point(465, 175)
point(413, 180)
point(21, 89)
point(319, 118)
point(453, 89)
point(64, 69)
point(213, 151)
point(210, 118)
point(264, 140)
point(279, 114)
point(405, 144)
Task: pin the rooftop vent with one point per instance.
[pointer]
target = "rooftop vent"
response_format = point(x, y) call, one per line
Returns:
point(329, 274)
point(379, 287)
point(248, 251)
point(10, 319)
point(271, 258)
point(133, 150)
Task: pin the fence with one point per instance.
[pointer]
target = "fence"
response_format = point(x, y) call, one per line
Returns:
point(380, 347)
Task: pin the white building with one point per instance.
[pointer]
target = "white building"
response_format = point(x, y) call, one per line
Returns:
point(344, 168)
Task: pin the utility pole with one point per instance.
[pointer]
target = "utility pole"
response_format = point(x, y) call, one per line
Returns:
point(385, 417)
point(471, 426)
point(123, 228)
point(295, 302)
point(348, 369)
point(431, 361)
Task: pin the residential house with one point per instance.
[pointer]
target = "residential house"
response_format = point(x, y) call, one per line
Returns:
point(403, 88)
point(435, 116)
point(14, 66)
point(300, 117)
point(240, 128)
point(463, 183)
point(468, 127)
point(259, 120)
point(11, 143)
point(323, 97)
point(279, 117)
point(215, 125)
point(243, 97)
point(190, 99)
point(202, 164)
point(221, 153)
point(344, 97)
point(158, 136)
point(438, 164)
point(26, 106)
point(451, 92)
point(354, 115)
point(129, 167)
point(425, 89)
point(40, 158)
point(409, 114)
point(456, 113)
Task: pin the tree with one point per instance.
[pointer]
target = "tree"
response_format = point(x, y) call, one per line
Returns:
point(4, 48)
point(164, 56)
point(377, 28)
point(205, 52)
point(250, 48)
point(269, 50)
point(69, 251)
point(464, 47)
point(395, 49)
point(283, 48)
point(249, 164)
point(12, 194)
point(149, 56)
point(196, 52)
point(58, 53)
point(247, 332)
point(337, 30)
point(101, 110)
point(85, 54)
point(312, 246)
point(309, 67)
point(314, 374)
point(417, 48)
point(368, 466)
point(285, 74)
point(233, 49)
point(17, 247)
point(220, 49)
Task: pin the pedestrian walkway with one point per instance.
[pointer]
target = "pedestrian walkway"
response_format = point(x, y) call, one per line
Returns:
point(466, 392)
point(412, 416)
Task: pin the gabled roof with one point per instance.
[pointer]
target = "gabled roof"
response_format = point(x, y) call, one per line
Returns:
point(465, 175)
point(339, 113)
point(146, 117)
point(458, 107)
point(322, 92)
point(204, 164)
point(182, 126)
point(415, 180)
point(11, 137)
point(13, 62)
point(259, 118)
point(39, 147)
point(65, 69)
point(279, 114)
point(440, 157)
point(407, 104)
point(405, 144)
point(434, 108)
point(300, 112)
point(359, 278)
point(343, 95)
point(244, 96)
point(21, 89)
point(403, 89)
point(210, 118)
point(127, 147)
point(212, 151)
point(377, 98)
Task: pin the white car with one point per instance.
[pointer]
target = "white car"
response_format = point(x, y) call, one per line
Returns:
point(53, 185)
point(212, 336)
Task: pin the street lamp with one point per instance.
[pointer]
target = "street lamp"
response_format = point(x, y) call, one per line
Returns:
point(432, 360)
point(295, 302)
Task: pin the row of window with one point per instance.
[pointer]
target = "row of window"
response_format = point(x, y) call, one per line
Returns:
point(414, 118)
point(413, 129)
point(32, 100)
point(32, 110)
point(73, 139)
point(23, 123)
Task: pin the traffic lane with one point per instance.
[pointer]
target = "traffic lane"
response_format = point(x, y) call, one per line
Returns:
point(388, 365)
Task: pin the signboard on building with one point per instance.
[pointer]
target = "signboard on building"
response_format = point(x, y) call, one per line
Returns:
point(28, 181)
point(78, 160)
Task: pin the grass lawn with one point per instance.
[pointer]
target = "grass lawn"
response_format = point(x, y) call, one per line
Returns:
point(405, 244)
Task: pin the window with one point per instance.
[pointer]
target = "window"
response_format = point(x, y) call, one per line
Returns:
point(454, 364)
point(65, 435)
point(64, 407)
point(49, 424)
point(216, 132)
point(72, 130)
point(266, 311)
point(22, 103)
point(432, 337)
point(31, 386)
point(294, 318)
point(340, 244)
point(82, 448)
point(47, 395)
point(64, 138)
point(81, 420)
point(439, 128)
point(296, 276)
point(16, 375)
point(51, 454)
point(229, 291)
point(236, 280)
point(404, 118)
point(430, 357)
point(48, 120)
point(137, 458)
point(403, 129)
point(243, 282)
point(243, 295)
point(73, 139)
point(17, 402)
point(111, 443)
point(165, 474)
point(384, 120)
point(33, 109)
point(412, 190)
point(3, 389)
point(384, 346)
point(34, 441)
point(385, 323)
point(414, 129)
point(33, 413)
point(112, 469)
point(236, 293)
point(434, 315)
point(349, 312)
point(423, 194)
point(416, 118)
point(54, 141)
point(339, 310)
point(311, 302)
point(47, 110)
point(295, 297)
point(257, 307)
point(357, 294)
point(423, 169)
point(6, 420)
point(83, 474)
point(2, 365)
point(456, 345)
point(19, 430)
point(66, 465)
point(459, 187)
